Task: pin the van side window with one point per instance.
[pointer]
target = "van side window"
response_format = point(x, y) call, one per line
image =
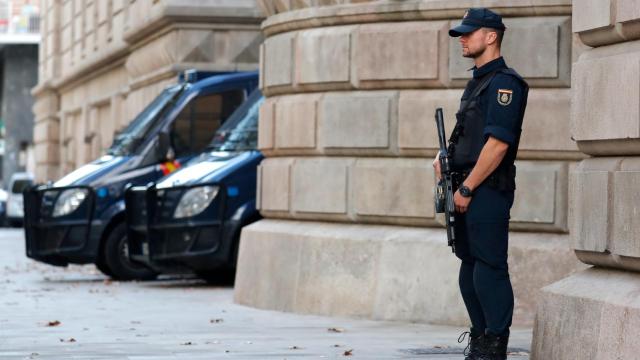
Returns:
point(196, 124)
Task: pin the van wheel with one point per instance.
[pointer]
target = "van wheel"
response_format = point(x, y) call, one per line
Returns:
point(117, 257)
point(102, 265)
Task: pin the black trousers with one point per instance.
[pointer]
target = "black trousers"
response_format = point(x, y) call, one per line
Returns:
point(482, 240)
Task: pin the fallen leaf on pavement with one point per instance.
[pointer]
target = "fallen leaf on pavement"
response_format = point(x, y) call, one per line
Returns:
point(215, 321)
point(53, 323)
point(71, 340)
point(187, 343)
point(295, 347)
point(348, 352)
point(335, 329)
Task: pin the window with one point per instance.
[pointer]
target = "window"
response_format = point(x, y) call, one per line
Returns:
point(240, 131)
point(196, 124)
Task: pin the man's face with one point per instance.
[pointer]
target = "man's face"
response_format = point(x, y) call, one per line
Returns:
point(475, 43)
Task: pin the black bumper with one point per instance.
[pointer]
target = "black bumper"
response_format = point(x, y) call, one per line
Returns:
point(72, 238)
point(156, 238)
point(137, 235)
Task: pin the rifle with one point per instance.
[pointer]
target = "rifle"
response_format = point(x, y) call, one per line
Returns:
point(444, 189)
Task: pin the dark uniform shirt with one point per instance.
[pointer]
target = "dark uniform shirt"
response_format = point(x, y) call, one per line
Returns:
point(501, 104)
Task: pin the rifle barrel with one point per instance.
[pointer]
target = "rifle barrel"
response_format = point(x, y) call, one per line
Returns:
point(441, 133)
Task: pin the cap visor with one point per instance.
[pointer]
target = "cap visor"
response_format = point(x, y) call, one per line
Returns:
point(462, 29)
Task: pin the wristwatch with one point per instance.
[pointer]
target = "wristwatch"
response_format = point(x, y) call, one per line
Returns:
point(465, 191)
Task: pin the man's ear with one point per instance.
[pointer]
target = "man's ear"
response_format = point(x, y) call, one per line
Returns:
point(492, 37)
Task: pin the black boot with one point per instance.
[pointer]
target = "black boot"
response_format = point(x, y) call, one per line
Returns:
point(474, 346)
point(494, 347)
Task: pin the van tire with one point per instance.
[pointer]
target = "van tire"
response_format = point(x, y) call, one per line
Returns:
point(102, 266)
point(116, 257)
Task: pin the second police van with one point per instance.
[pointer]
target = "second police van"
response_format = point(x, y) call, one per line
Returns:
point(192, 218)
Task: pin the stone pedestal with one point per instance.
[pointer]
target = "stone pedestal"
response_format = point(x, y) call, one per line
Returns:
point(349, 135)
point(594, 314)
point(379, 271)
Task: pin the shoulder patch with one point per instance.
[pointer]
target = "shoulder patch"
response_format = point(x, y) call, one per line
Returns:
point(505, 96)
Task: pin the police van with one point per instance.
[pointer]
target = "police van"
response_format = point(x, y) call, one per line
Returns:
point(80, 219)
point(191, 219)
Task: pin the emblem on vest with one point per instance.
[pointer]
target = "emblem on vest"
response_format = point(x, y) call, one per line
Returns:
point(505, 96)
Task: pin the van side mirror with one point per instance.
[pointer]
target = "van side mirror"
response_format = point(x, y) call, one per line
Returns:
point(164, 150)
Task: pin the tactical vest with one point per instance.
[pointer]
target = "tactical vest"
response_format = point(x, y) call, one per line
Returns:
point(467, 138)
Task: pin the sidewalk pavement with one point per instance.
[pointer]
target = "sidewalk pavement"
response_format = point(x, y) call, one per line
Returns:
point(76, 313)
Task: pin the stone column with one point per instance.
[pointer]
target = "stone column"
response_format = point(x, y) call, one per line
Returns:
point(349, 134)
point(46, 132)
point(595, 314)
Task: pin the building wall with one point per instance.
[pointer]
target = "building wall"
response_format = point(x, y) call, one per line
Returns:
point(349, 135)
point(101, 62)
point(596, 311)
point(19, 75)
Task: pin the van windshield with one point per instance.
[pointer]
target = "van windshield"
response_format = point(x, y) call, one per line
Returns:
point(126, 142)
point(240, 131)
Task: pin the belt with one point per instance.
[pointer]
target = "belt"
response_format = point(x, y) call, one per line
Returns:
point(501, 178)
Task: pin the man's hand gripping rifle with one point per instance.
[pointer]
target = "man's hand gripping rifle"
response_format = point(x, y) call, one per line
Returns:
point(444, 189)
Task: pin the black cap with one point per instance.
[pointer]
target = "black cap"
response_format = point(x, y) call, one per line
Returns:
point(476, 18)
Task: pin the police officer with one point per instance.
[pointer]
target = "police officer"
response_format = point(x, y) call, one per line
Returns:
point(482, 150)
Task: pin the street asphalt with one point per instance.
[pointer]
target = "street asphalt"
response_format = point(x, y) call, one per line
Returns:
point(77, 313)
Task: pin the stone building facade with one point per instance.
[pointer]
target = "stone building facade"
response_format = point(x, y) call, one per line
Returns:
point(102, 61)
point(349, 134)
